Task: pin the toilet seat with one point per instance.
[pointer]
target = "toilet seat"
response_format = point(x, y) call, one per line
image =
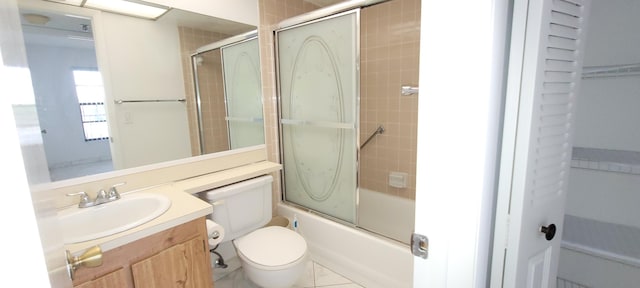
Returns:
point(272, 248)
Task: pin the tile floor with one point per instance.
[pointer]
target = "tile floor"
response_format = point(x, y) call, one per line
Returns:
point(78, 170)
point(315, 276)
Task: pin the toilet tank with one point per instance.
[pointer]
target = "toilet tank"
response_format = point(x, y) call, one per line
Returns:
point(241, 207)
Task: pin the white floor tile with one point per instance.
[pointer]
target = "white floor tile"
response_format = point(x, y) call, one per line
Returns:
point(352, 285)
point(315, 276)
point(306, 280)
point(325, 277)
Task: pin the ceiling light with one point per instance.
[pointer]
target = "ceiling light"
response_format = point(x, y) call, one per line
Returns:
point(36, 19)
point(127, 7)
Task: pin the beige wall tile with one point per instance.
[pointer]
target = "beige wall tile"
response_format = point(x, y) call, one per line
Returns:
point(212, 100)
point(390, 50)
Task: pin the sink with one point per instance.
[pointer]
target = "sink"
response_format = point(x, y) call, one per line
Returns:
point(132, 210)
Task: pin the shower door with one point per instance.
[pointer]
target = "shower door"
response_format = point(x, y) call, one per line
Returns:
point(243, 94)
point(318, 89)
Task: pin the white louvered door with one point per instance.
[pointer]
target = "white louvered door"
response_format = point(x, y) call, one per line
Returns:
point(544, 73)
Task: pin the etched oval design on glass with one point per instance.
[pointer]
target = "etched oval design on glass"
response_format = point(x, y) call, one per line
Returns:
point(317, 96)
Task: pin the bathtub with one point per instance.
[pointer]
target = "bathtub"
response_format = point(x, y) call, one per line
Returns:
point(387, 215)
point(600, 254)
point(365, 258)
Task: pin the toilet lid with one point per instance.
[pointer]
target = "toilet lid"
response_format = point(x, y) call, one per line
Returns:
point(272, 246)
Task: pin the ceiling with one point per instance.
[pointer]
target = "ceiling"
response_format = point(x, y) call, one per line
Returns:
point(69, 31)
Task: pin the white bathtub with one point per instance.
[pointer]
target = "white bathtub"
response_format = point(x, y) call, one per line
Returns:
point(385, 214)
point(369, 260)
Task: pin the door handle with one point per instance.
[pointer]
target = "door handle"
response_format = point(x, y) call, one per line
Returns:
point(90, 258)
point(548, 231)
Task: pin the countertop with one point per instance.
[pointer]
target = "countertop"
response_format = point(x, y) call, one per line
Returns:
point(185, 207)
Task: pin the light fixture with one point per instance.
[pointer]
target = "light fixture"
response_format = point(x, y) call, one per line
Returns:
point(126, 7)
point(36, 18)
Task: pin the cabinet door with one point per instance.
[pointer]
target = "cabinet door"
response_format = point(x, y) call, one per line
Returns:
point(183, 265)
point(113, 279)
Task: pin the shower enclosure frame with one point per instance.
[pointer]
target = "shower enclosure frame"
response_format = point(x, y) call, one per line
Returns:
point(311, 18)
point(237, 39)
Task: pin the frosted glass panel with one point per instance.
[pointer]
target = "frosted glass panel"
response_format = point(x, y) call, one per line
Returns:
point(243, 94)
point(317, 65)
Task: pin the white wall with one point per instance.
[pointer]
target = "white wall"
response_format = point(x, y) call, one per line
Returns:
point(611, 36)
point(607, 116)
point(51, 71)
point(144, 64)
point(21, 212)
point(604, 196)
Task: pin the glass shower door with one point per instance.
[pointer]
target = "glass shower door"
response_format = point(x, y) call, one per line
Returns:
point(243, 94)
point(318, 83)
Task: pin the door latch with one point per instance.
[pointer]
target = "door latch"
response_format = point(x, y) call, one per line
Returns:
point(420, 245)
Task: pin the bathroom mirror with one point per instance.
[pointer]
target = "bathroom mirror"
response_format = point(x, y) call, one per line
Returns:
point(229, 93)
point(111, 91)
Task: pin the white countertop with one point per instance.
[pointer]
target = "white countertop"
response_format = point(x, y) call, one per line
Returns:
point(184, 206)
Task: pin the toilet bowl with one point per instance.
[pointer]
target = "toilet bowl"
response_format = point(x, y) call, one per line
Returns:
point(272, 256)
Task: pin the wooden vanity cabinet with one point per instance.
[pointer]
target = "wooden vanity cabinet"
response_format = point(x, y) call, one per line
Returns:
point(177, 257)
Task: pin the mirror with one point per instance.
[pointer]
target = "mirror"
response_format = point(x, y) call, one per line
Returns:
point(227, 78)
point(113, 91)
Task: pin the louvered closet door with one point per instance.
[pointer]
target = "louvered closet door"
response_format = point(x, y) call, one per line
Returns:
point(547, 91)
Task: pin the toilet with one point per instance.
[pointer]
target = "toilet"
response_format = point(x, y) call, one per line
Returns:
point(271, 256)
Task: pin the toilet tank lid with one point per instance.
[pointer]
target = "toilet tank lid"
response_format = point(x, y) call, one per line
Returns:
point(221, 192)
point(272, 246)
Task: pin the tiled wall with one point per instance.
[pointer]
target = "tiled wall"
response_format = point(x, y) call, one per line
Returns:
point(390, 47)
point(271, 13)
point(211, 88)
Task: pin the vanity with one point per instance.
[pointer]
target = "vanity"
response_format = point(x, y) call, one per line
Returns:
point(168, 251)
point(172, 249)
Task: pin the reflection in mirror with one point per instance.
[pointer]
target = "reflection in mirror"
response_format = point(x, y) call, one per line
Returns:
point(140, 106)
point(228, 72)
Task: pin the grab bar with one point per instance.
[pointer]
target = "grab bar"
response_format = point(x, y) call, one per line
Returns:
point(379, 130)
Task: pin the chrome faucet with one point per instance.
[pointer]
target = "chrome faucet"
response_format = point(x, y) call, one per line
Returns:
point(85, 201)
point(101, 198)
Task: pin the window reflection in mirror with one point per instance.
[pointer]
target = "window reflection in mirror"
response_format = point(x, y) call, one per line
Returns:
point(148, 114)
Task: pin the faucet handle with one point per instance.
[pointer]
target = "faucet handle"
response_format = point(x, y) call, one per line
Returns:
point(85, 201)
point(113, 192)
point(101, 197)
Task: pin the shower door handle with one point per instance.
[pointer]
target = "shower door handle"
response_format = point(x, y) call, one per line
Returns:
point(548, 231)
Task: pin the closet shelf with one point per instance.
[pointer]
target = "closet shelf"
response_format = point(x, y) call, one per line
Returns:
point(622, 70)
point(618, 161)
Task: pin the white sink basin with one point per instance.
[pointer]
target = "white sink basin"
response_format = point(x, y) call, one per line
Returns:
point(84, 224)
